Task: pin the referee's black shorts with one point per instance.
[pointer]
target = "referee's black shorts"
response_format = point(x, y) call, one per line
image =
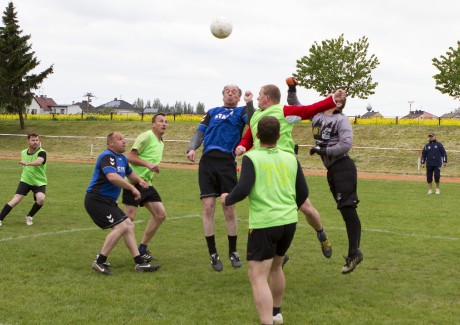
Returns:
point(342, 177)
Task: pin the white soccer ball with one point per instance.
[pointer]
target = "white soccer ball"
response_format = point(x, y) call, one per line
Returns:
point(221, 27)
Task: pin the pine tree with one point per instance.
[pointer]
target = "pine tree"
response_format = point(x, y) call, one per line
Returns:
point(17, 60)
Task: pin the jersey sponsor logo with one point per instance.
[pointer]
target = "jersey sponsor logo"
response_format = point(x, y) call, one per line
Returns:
point(120, 169)
point(110, 218)
point(223, 116)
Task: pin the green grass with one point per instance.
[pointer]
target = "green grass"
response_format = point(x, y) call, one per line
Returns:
point(409, 275)
point(367, 160)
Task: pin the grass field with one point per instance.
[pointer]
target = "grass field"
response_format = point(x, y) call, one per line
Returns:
point(409, 275)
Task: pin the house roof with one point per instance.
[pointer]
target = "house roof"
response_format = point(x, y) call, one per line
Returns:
point(45, 103)
point(117, 104)
point(451, 115)
point(372, 114)
point(420, 114)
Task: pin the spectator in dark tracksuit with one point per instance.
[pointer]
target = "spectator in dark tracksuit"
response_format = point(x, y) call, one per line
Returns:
point(434, 156)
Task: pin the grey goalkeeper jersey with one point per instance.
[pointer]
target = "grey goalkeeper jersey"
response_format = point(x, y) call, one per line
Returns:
point(335, 133)
point(331, 131)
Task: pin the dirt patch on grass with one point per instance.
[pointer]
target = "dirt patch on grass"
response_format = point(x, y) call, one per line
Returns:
point(361, 175)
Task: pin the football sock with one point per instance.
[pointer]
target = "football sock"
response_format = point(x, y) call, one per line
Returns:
point(211, 241)
point(142, 249)
point(138, 260)
point(321, 235)
point(276, 311)
point(6, 209)
point(34, 209)
point(101, 259)
point(353, 225)
point(232, 244)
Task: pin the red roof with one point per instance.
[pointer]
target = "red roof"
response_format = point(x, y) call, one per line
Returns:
point(45, 103)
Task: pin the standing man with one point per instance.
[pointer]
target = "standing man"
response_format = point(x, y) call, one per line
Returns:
point(269, 105)
point(33, 178)
point(434, 156)
point(333, 136)
point(144, 158)
point(220, 129)
point(272, 179)
point(101, 203)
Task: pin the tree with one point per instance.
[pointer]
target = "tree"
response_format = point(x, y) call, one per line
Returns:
point(200, 108)
point(338, 64)
point(17, 60)
point(448, 78)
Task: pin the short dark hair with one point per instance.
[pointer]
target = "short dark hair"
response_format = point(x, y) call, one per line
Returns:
point(273, 92)
point(268, 130)
point(154, 117)
point(32, 135)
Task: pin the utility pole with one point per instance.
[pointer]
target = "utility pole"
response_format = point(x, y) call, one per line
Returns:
point(410, 105)
point(88, 96)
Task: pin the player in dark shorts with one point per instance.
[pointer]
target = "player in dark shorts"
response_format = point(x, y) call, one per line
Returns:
point(101, 203)
point(220, 130)
point(273, 180)
point(33, 179)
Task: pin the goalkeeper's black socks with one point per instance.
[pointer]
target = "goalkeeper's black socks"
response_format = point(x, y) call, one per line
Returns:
point(353, 225)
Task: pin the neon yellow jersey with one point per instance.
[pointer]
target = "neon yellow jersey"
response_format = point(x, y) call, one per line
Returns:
point(150, 149)
point(272, 200)
point(33, 175)
point(285, 141)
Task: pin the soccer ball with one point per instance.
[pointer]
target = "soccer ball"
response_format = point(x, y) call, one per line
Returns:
point(221, 27)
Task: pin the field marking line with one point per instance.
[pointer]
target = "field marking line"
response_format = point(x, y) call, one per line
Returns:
point(239, 219)
point(67, 231)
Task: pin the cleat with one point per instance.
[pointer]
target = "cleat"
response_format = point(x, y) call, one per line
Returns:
point(148, 257)
point(278, 318)
point(106, 263)
point(146, 267)
point(29, 221)
point(352, 262)
point(438, 191)
point(285, 260)
point(235, 259)
point(326, 248)
point(101, 268)
point(215, 262)
point(429, 192)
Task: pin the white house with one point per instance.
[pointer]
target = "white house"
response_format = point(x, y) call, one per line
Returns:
point(41, 105)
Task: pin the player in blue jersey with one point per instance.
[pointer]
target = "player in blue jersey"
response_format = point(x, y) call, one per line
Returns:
point(220, 130)
point(101, 203)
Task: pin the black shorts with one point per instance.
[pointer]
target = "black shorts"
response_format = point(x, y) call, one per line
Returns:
point(430, 170)
point(265, 243)
point(147, 195)
point(216, 175)
point(343, 182)
point(104, 211)
point(24, 188)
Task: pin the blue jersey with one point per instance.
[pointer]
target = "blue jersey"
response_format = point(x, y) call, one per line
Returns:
point(222, 128)
point(108, 162)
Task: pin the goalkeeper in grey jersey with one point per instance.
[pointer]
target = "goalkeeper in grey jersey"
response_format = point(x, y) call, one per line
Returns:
point(333, 136)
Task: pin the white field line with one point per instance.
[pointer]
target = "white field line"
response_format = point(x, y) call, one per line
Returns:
point(382, 231)
point(68, 231)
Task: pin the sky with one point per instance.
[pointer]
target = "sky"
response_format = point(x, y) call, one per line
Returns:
point(151, 49)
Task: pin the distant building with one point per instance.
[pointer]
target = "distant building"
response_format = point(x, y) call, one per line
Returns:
point(420, 115)
point(451, 115)
point(41, 105)
point(150, 110)
point(119, 106)
point(372, 114)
